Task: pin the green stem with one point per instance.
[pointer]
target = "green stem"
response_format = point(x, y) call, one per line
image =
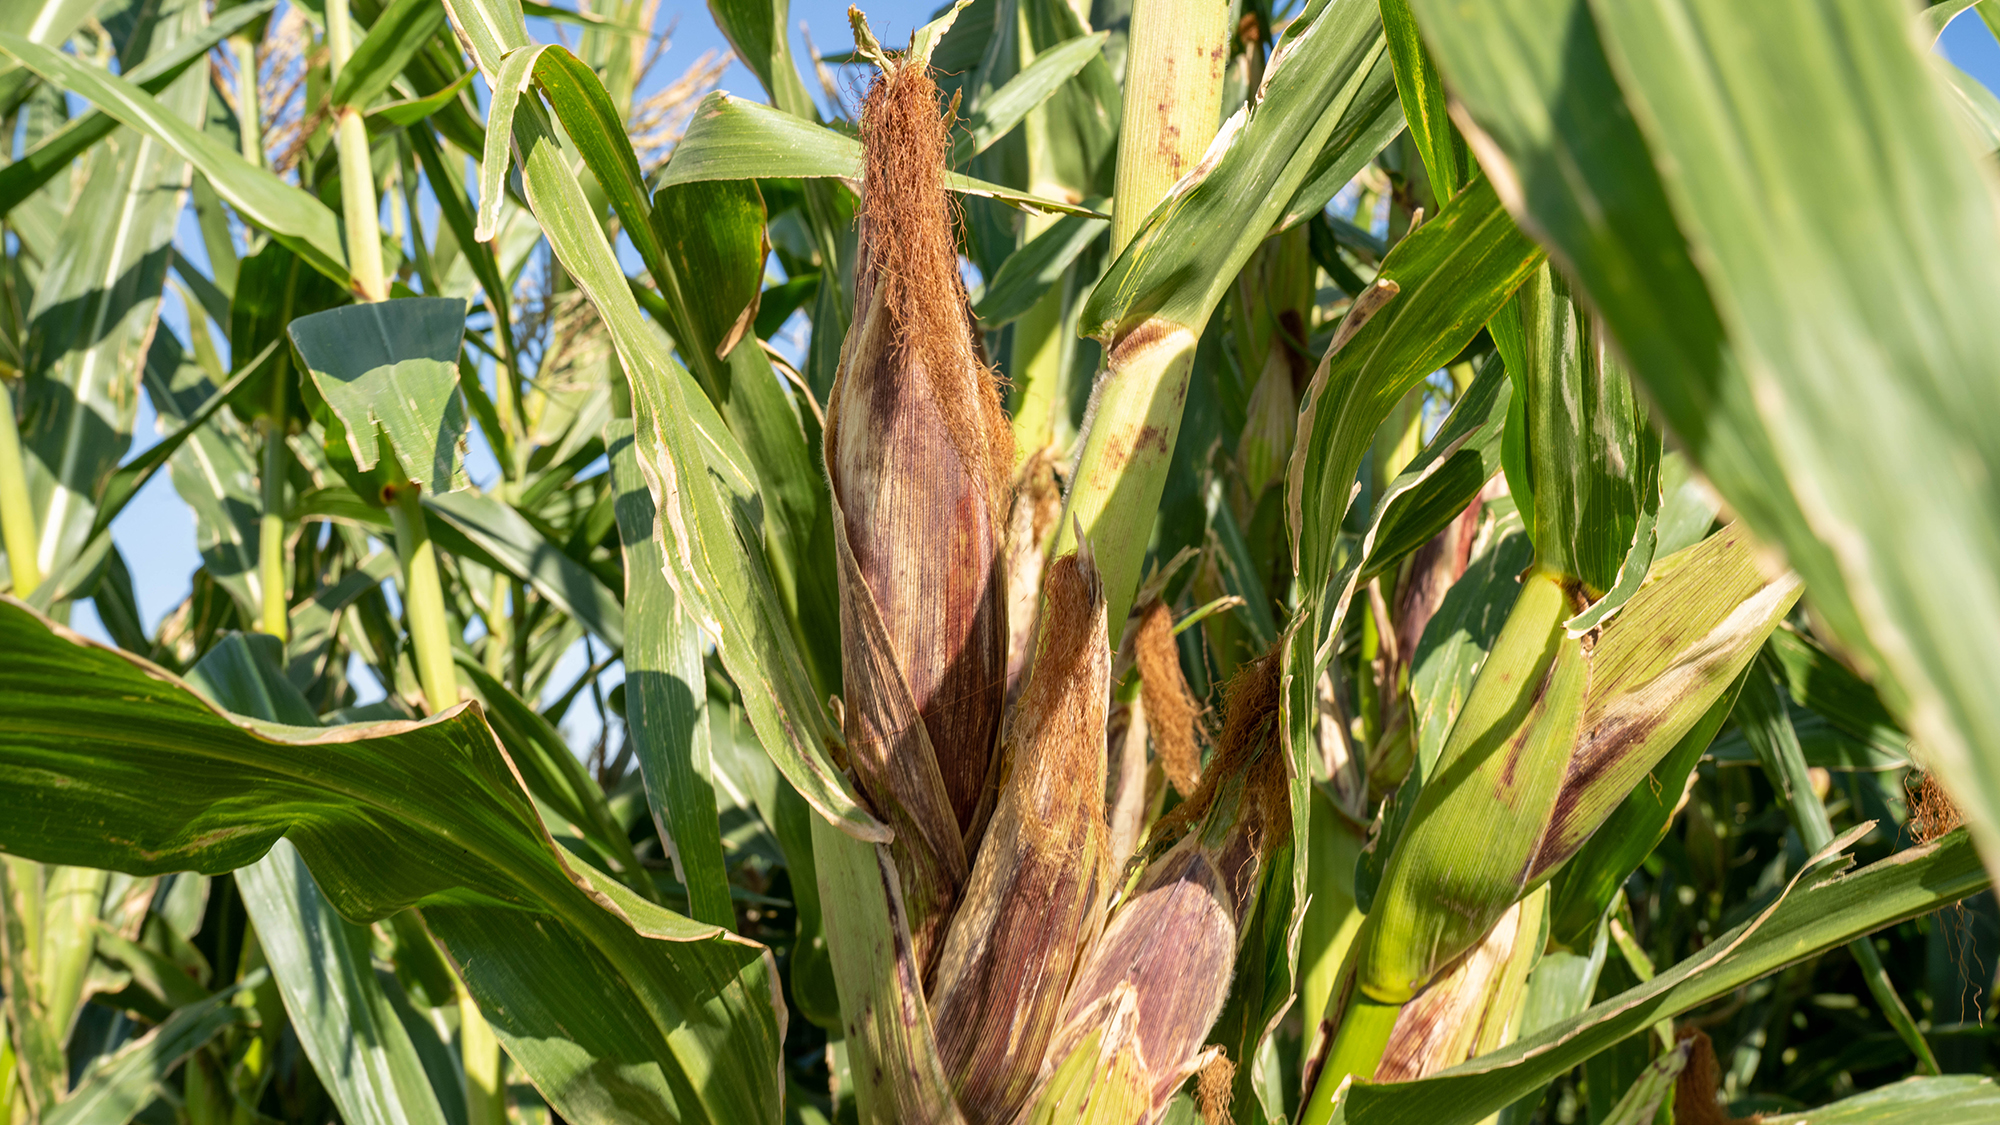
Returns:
point(479, 1049)
point(248, 112)
point(423, 593)
point(1767, 726)
point(1357, 1050)
point(357, 173)
point(1174, 65)
point(500, 628)
point(1173, 95)
point(17, 511)
point(271, 529)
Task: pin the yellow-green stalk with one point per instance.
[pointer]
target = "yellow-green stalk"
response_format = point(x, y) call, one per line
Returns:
point(423, 593)
point(357, 174)
point(248, 112)
point(1174, 64)
point(17, 511)
point(271, 582)
point(479, 1048)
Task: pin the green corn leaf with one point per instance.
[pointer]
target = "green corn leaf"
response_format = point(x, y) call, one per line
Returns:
point(1594, 460)
point(522, 551)
point(1834, 422)
point(391, 368)
point(1439, 482)
point(761, 33)
point(715, 563)
point(712, 232)
point(1820, 910)
point(126, 481)
point(989, 118)
point(712, 247)
point(117, 1086)
point(274, 288)
point(1179, 265)
point(552, 772)
point(1701, 615)
point(1831, 690)
point(881, 986)
point(615, 1008)
point(309, 640)
point(1422, 94)
point(289, 214)
point(54, 154)
point(1443, 282)
point(214, 471)
point(516, 71)
point(703, 243)
point(734, 139)
point(345, 1024)
point(1371, 121)
point(48, 22)
point(1954, 1099)
point(666, 696)
point(403, 29)
point(1586, 886)
point(1036, 267)
point(408, 111)
point(93, 313)
point(1496, 782)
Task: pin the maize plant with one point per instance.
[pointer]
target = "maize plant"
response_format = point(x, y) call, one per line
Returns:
point(1368, 561)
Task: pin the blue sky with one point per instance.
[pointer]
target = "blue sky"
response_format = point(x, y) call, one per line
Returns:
point(156, 532)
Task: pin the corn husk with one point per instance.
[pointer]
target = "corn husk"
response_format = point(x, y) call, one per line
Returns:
point(1144, 1001)
point(1556, 730)
point(918, 455)
point(1035, 900)
point(1030, 532)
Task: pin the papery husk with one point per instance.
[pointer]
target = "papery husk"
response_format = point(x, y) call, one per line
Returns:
point(1031, 528)
point(1130, 795)
point(1036, 897)
point(1171, 714)
point(1170, 950)
point(1555, 732)
point(918, 453)
point(1472, 1007)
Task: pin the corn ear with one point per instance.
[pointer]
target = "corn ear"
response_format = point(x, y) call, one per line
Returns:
point(1031, 526)
point(918, 455)
point(1169, 950)
point(1473, 1007)
point(1464, 857)
point(1036, 896)
point(1556, 730)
